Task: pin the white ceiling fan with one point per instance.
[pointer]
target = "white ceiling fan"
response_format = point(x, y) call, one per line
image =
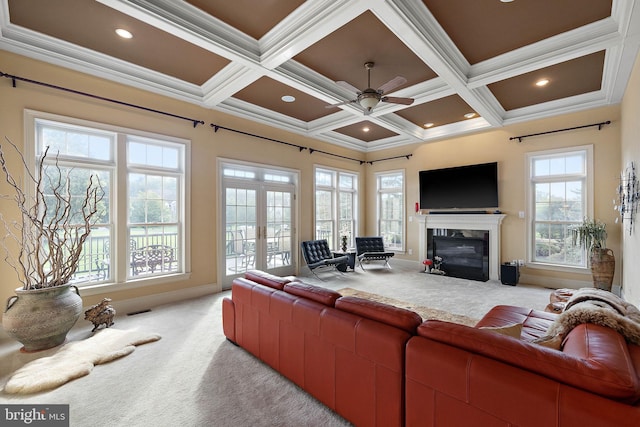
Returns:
point(369, 98)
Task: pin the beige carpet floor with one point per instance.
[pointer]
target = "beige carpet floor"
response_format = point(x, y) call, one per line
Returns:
point(194, 377)
point(406, 282)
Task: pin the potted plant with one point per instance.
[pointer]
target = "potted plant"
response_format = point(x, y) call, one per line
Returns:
point(592, 236)
point(44, 247)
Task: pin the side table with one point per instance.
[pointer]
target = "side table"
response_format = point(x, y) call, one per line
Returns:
point(351, 253)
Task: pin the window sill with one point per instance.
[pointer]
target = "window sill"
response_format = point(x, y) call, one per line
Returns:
point(132, 284)
point(556, 267)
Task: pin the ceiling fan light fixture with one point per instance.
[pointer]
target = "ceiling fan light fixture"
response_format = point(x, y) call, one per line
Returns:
point(368, 100)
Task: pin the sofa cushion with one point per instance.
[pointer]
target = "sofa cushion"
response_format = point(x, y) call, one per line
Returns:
point(398, 317)
point(554, 342)
point(318, 294)
point(534, 322)
point(595, 358)
point(512, 331)
point(268, 279)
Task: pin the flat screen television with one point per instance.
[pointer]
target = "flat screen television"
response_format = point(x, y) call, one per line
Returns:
point(462, 187)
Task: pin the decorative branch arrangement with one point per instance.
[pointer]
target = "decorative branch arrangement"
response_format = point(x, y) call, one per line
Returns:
point(55, 222)
point(628, 196)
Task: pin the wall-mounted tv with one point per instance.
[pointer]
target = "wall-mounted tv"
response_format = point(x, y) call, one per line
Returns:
point(462, 187)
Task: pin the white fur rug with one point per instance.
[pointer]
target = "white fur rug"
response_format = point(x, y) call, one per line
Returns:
point(589, 305)
point(75, 360)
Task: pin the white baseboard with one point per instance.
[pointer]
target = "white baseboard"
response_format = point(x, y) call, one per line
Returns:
point(134, 305)
point(554, 282)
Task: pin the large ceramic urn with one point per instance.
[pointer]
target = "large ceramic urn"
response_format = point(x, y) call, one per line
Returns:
point(603, 266)
point(41, 318)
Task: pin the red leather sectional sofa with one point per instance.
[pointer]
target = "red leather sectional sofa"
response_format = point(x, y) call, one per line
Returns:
point(378, 365)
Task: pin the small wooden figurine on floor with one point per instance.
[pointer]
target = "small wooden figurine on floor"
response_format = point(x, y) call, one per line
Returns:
point(100, 314)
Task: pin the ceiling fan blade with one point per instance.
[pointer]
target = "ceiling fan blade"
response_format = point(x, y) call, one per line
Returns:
point(348, 86)
point(341, 103)
point(392, 84)
point(396, 100)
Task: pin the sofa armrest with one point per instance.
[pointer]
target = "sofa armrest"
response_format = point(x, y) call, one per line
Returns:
point(318, 294)
point(604, 367)
point(229, 319)
point(268, 279)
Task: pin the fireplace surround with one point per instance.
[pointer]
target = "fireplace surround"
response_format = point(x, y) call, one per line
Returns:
point(465, 256)
point(460, 221)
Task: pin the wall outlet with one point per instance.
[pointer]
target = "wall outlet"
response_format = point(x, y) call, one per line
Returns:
point(521, 214)
point(410, 251)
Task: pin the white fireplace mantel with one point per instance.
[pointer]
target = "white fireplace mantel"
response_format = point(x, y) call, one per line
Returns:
point(489, 222)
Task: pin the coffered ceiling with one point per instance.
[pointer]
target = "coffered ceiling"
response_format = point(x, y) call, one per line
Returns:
point(479, 58)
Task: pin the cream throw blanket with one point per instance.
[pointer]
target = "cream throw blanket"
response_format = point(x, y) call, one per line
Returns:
point(75, 360)
point(600, 307)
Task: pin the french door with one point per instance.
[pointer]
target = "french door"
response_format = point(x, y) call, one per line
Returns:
point(258, 221)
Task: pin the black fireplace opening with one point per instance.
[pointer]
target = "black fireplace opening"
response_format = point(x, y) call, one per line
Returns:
point(464, 255)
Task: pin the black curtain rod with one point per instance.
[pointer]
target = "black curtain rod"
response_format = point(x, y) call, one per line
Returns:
point(299, 147)
point(313, 150)
point(600, 125)
point(390, 158)
point(216, 127)
point(101, 98)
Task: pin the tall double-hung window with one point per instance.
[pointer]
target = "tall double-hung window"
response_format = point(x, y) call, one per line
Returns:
point(560, 195)
point(140, 233)
point(336, 206)
point(390, 192)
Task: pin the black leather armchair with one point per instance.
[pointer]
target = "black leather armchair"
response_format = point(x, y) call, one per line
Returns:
point(372, 249)
point(317, 254)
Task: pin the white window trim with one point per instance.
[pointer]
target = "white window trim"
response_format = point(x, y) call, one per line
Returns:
point(259, 169)
point(30, 118)
point(377, 175)
point(529, 197)
point(336, 200)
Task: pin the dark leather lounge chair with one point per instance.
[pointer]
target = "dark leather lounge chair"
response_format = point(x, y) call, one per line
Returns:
point(317, 254)
point(372, 249)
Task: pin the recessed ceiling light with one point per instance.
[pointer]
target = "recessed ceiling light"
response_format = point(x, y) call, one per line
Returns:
point(469, 115)
point(542, 82)
point(365, 129)
point(288, 98)
point(506, 1)
point(428, 125)
point(124, 33)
